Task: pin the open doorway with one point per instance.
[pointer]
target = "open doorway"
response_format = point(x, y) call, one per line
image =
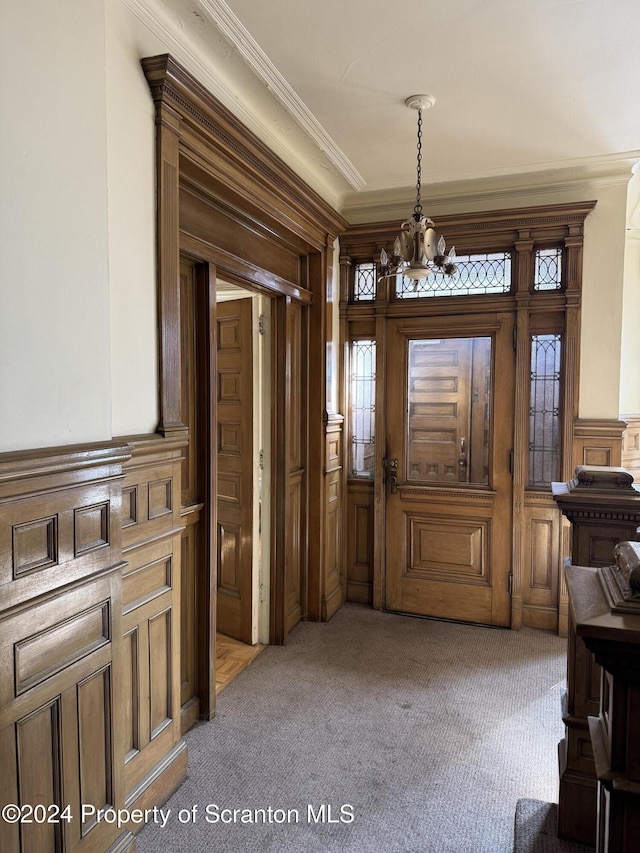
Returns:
point(243, 429)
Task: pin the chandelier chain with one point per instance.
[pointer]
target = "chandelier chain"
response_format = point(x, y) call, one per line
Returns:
point(418, 208)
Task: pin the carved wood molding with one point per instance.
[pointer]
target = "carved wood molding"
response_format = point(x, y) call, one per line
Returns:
point(251, 168)
point(58, 462)
point(496, 227)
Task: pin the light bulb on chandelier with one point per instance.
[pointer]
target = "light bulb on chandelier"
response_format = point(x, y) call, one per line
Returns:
point(417, 251)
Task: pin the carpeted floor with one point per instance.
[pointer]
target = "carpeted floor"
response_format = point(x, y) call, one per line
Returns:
point(536, 828)
point(414, 735)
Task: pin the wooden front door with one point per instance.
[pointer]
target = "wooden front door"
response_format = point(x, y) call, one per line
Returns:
point(234, 390)
point(449, 414)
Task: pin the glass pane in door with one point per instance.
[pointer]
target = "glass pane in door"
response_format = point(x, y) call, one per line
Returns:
point(448, 410)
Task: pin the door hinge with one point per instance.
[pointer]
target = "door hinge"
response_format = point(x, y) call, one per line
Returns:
point(515, 337)
point(261, 460)
point(511, 463)
point(510, 583)
point(261, 325)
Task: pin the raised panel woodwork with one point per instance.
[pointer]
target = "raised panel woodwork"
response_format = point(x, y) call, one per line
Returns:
point(631, 446)
point(543, 552)
point(94, 741)
point(542, 560)
point(596, 455)
point(188, 385)
point(189, 699)
point(160, 498)
point(146, 582)
point(43, 654)
point(447, 549)
point(129, 506)
point(334, 554)
point(296, 401)
point(359, 531)
point(56, 525)
point(230, 384)
point(130, 712)
point(9, 832)
point(38, 742)
point(35, 545)
point(91, 528)
point(160, 675)
point(229, 559)
point(596, 441)
point(294, 554)
point(154, 755)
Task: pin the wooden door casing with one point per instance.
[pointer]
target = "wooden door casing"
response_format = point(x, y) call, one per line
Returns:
point(234, 389)
point(448, 542)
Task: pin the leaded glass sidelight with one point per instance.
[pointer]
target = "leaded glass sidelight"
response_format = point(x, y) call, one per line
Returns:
point(364, 284)
point(544, 410)
point(548, 269)
point(363, 409)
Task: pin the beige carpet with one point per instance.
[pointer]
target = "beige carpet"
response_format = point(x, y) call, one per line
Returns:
point(376, 733)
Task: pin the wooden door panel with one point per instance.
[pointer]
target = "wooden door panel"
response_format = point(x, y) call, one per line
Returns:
point(449, 518)
point(234, 388)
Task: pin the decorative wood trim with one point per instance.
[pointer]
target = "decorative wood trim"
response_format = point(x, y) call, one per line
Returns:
point(150, 716)
point(248, 161)
point(597, 442)
point(204, 150)
point(489, 229)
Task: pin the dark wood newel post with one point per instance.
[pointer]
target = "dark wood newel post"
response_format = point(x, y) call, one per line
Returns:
point(604, 509)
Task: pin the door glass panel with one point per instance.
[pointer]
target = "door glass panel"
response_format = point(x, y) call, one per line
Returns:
point(448, 410)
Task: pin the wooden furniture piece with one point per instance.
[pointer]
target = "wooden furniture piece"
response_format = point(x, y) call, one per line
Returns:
point(609, 625)
point(604, 509)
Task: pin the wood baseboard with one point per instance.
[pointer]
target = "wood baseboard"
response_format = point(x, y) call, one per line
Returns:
point(545, 618)
point(125, 844)
point(360, 592)
point(160, 784)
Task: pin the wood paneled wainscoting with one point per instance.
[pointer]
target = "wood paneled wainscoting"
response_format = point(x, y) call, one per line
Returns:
point(631, 446)
point(62, 689)
point(155, 757)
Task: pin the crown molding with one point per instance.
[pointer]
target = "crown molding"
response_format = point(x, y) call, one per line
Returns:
point(160, 24)
point(499, 191)
point(260, 64)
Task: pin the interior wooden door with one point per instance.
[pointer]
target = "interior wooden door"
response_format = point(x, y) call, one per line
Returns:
point(449, 414)
point(234, 389)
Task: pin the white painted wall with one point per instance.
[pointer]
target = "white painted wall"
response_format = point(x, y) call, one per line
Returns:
point(630, 366)
point(602, 290)
point(54, 309)
point(131, 184)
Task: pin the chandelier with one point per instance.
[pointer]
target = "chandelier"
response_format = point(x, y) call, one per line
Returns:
point(417, 250)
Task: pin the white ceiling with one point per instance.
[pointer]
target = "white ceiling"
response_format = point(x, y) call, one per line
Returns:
point(522, 87)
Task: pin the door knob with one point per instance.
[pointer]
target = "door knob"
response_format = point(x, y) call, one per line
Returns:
point(462, 459)
point(391, 477)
